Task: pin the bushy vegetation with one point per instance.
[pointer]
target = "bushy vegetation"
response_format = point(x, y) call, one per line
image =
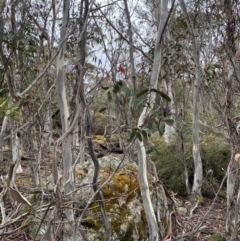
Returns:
point(169, 159)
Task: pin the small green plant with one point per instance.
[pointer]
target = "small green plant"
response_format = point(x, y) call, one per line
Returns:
point(216, 237)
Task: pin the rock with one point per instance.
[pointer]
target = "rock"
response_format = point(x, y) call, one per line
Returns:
point(122, 197)
point(182, 211)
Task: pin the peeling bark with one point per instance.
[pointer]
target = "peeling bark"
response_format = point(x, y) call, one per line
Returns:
point(68, 234)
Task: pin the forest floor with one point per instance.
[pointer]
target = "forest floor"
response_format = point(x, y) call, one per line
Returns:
point(213, 223)
point(211, 214)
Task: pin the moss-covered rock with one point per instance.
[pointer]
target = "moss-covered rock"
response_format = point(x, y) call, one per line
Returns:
point(122, 200)
point(122, 197)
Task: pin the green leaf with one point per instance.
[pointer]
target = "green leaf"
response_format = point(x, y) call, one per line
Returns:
point(103, 109)
point(132, 135)
point(109, 96)
point(120, 83)
point(149, 151)
point(144, 133)
point(156, 119)
point(139, 136)
point(126, 90)
point(12, 111)
point(154, 127)
point(161, 128)
point(121, 102)
point(104, 88)
point(169, 122)
point(3, 103)
point(116, 88)
point(142, 93)
point(163, 95)
point(217, 66)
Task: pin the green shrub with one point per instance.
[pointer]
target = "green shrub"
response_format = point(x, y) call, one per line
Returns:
point(215, 154)
point(216, 237)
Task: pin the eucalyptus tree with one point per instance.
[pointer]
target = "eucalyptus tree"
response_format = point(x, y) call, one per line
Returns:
point(34, 54)
point(222, 86)
point(151, 219)
point(233, 188)
point(66, 142)
point(148, 109)
point(219, 57)
point(198, 172)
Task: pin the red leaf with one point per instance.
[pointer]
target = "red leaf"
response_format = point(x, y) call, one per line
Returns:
point(121, 69)
point(107, 75)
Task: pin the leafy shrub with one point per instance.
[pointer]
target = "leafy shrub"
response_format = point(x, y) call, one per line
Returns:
point(215, 154)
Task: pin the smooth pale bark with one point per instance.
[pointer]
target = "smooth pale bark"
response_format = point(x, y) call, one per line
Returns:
point(169, 130)
point(68, 232)
point(2, 133)
point(198, 172)
point(169, 80)
point(48, 117)
point(17, 152)
point(76, 139)
point(147, 203)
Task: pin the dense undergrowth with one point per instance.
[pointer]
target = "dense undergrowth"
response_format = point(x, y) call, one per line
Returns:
point(169, 160)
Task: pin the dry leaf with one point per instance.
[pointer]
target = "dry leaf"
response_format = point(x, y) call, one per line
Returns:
point(18, 197)
point(5, 148)
point(236, 157)
point(237, 56)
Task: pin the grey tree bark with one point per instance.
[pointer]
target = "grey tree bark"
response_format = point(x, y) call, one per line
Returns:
point(233, 187)
point(68, 234)
point(131, 107)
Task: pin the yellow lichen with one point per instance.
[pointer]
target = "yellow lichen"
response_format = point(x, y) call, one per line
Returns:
point(99, 139)
point(118, 193)
point(79, 174)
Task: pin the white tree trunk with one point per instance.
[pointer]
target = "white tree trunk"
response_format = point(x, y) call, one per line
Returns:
point(2, 133)
point(17, 151)
point(170, 130)
point(48, 117)
point(68, 233)
point(198, 172)
point(233, 167)
point(147, 203)
point(76, 139)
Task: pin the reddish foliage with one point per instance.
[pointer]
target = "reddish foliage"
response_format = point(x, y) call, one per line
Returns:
point(108, 75)
point(121, 68)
